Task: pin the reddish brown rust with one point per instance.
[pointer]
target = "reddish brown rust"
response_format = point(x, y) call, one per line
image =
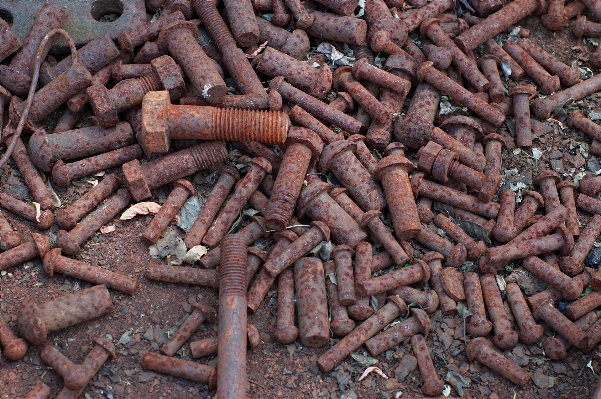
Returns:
point(340, 324)
point(414, 19)
point(210, 346)
point(505, 336)
point(43, 219)
point(200, 313)
point(521, 110)
point(590, 185)
point(67, 121)
point(36, 321)
point(434, 260)
point(302, 118)
point(384, 316)
point(505, 230)
point(426, 300)
point(482, 350)
point(286, 332)
point(557, 321)
point(54, 262)
point(572, 264)
point(121, 71)
point(432, 385)
point(546, 82)
point(419, 271)
point(364, 70)
point(342, 256)
point(39, 391)
point(568, 76)
point(183, 275)
point(313, 323)
point(441, 57)
point(531, 201)
point(478, 325)
point(544, 107)
point(343, 80)
point(361, 310)
point(339, 28)
point(530, 332)
point(242, 22)
point(9, 42)
point(129, 39)
point(491, 47)
point(583, 305)
point(554, 19)
point(8, 237)
point(557, 347)
point(546, 181)
point(419, 322)
point(13, 348)
point(488, 65)
point(455, 254)
point(453, 283)
point(180, 368)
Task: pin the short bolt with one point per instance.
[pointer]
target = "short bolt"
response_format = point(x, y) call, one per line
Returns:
point(183, 275)
point(440, 56)
point(427, 300)
point(482, 350)
point(342, 256)
point(557, 321)
point(198, 316)
point(121, 71)
point(43, 220)
point(419, 271)
point(363, 70)
point(361, 310)
point(414, 19)
point(343, 80)
point(453, 283)
point(36, 321)
point(302, 118)
point(340, 324)
point(312, 305)
point(419, 322)
point(521, 110)
point(543, 107)
point(286, 332)
point(434, 260)
point(488, 65)
point(180, 368)
point(505, 230)
point(546, 82)
point(573, 264)
point(557, 347)
point(568, 76)
point(531, 201)
point(505, 336)
point(478, 325)
point(432, 385)
point(584, 305)
point(13, 348)
point(455, 255)
point(546, 181)
point(530, 332)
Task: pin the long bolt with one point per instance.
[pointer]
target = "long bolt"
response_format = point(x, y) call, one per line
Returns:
point(568, 76)
point(180, 368)
point(488, 65)
point(577, 120)
point(419, 271)
point(36, 321)
point(482, 350)
point(478, 325)
point(343, 80)
point(361, 310)
point(13, 348)
point(543, 225)
point(432, 385)
point(44, 218)
point(557, 347)
point(584, 305)
point(572, 264)
point(505, 337)
point(419, 322)
point(364, 70)
point(530, 332)
point(340, 324)
point(560, 323)
point(286, 332)
point(455, 254)
point(200, 313)
point(184, 275)
point(521, 110)
point(543, 107)
point(546, 82)
point(434, 260)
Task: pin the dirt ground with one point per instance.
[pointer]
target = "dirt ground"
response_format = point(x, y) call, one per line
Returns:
point(141, 322)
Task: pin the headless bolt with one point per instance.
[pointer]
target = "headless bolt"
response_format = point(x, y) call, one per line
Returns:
point(521, 110)
point(200, 313)
point(231, 366)
point(338, 158)
point(432, 28)
point(46, 149)
point(361, 310)
point(315, 202)
point(44, 218)
point(312, 305)
point(489, 112)
point(210, 346)
point(183, 275)
point(478, 325)
point(432, 384)
point(286, 332)
point(530, 332)
point(531, 201)
point(67, 218)
point(419, 271)
point(557, 347)
point(385, 33)
point(342, 256)
point(419, 322)
point(181, 191)
point(434, 260)
point(568, 76)
point(572, 264)
point(557, 321)
point(455, 254)
point(39, 391)
point(493, 153)
point(10, 41)
point(129, 39)
point(340, 324)
point(143, 178)
point(343, 80)
point(505, 337)
point(547, 83)
point(546, 181)
point(351, 342)
point(302, 146)
point(227, 178)
point(238, 66)
point(38, 246)
point(8, 237)
point(36, 321)
point(488, 65)
point(482, 350)
point(54, 262)
point(180, 368)
point(162, 121)
point(505, 230)
point(544, 107)
point(13, 348)
point(474, 248)
point(63, 173)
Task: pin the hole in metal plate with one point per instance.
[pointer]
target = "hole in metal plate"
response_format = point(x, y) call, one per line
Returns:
point(107, 10)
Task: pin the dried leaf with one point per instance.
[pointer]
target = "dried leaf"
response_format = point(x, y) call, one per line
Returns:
point(365, 361)
point(474, 230)
point(536, 153)
point(188, 213)
point(463, 310)
point(141, 208)
point(325, 251)
point(55, 199)
point(457, 381)
point(257, 51)
point(92, 182)
point(38, 211)
point(125, 338)
point(370, 370)
point(195, 253)
point(107, 229)
point(590, 365)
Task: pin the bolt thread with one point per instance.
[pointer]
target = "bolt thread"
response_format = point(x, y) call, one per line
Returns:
point(149, 83)
point(232, 270)
point(208, 154)
point(268, 127)
point(213, 22)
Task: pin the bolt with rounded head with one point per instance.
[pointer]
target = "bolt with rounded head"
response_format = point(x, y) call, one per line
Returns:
point(590, 185)
point(546, 181)
point(531, 201)
point(544, 107)
point(180, 368)
point(426, 300)
point(286, 332)
point(8, 237)
point(432, 385)
point(505, 230)
point(342, 256)
point(455, 255)
point(568, 76)
point(312, 305)
point(505, 336)
point(414, 19)
point(343, 80)
point(467, 156)
point(488, 65)
point(419, 271)
point(478, 325)
point(573, 264)
point(557, 347)
point(482, 350)
point(363, 70)
point(521, 111)
point(37, 247)
point(554, 19)
point(530, 332)
point(361, 310)
point(474, 248)
point(584, 305)
point(340, 324)
point(13, 348)
point(198, 316)
point(418, 323)
point(557, 321)
point(43, 218)
point(434, 260)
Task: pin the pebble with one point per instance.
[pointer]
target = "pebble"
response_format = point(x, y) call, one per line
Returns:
point(540, 379)
point(407, 364)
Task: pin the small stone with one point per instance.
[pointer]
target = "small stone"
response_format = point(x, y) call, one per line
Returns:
point(146, 376)
point(555, 154)
point(593, 259)
point(540, 379)
point(556, 165)
point(407, 364)
point(149, 334)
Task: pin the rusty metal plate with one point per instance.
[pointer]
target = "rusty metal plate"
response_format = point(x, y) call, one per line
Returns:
point(86, 18)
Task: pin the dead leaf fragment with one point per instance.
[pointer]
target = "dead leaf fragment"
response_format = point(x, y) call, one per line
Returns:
point(369, 370)
point(141, 208)
point(107, 229)
point(195, 253)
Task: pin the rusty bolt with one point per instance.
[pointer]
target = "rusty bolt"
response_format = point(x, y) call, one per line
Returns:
point(521, 110)
point(414, 19)
point(180, 368)
point(544, 107)
point(432, 385)
point(434, 260)
point(8, 237)
point(505, 230)
point(200, 313)
point(419, 271)
point(572, 264)
point(342, 256)
point(488, 65)
point(546, 181)
point(554, 19)
point(419, 322)
point(505, 336)
point(340, 324)
point(286, 332)
point(38, 246)
point(363, 70)
point(557, 347)
point(129, 39)
point(530, 332)
point(546, 82)
point(9, 41)
point(302, 118)
point(478, 325)
point(531, 201)
point(54, 262)
point(361, 310)
point(13, 348)
point(281, 17)
point(339, 28)
point(584, 28)
point(36, 321)
point(183, 275)
point(427, 300)
point(210, 346)
point(557, 321)
point(440, 56)
point(568, 76)
point(415, 129)
point(453, 283)
point(584, 305)
point(464, 129)
point(39, 391)
point(455, 254)
point(44, 219)
point(121, 71)
point(385, 315)
point(312, 305)
point(482, 350)
point(590, 185)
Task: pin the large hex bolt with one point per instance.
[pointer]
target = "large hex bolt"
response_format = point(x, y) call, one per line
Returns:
point(505, 336)
point(557, 321)
point(16, 76)
point(54, 262)
point(180, 368)
point(316, 82)
point(338, 158)
point(200, 313)
point(312, 302)
point(521, 110)
point(489, 112)
point(482, 350)
point(546, 82)
point(572, 264)
point(9, 42)
point(286, 332)
point(478, 325)
point(13, 348)
point(340, 324)
point(380, 319)
point(43, 219)
point(36, 321)
point(530, 332)
point(126, 94)
point(434, 260)
point(544, 107)
point(162, 121)
point(143, 178)
point(45, 149)
point(302, 145)
point(419, 322)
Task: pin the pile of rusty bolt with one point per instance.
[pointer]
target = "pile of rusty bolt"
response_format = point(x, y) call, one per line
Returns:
point(393, 170)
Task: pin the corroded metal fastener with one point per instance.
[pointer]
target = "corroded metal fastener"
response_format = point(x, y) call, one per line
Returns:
point(505, 230)
point(530, 332)
point(39, 391)
point(505, 336)
point(577, 120)
point(17, 75)
point(8, 237)
point(584, 305)
point(242, 192)
point(45, 149)
point(228, 176)
point(180, 368)
point(572, 264)
point(546, 181)
point(498, 22)
point(38, 246)
point(434, 8)
point(482, 350)
point(474, 248)
point(584, 28)
point(531, 201)
point(183, 275)
point(314, 81)
point(339, 28)
point(554, 19)
point(415, 129)
point(432, 385)
point(419, 322)
point(384, 316)
point(340, 324)
point(315, 202)
point(365, 71)
point(63, 173)
point(493, 153)
point(302, 118)
point(385, 33)
point(493, 48)
point(77, 376)
point(210, 346)
point(238, 65)
point(478, 325)
point(295, 44)
point(488, 65)
point(568, 76)
point(43, 219)
point(342, 256)
point(557, 321)
point(9, 42)
point(242, 22)
point(434, 260)
point(590, 185)
point(453, 283)
point(338, 158)
point(427, 300)
point(286, 332)
point(302, 146)
point(181, 191)
point(54, 262)
point(492, 113)
point(546, 82)
point(361, 310)
point(440, 56)
point(143, 178)
point(419, 271)
point(13, 348)
point(126, 94)
point(200, 313)
point(557, 347)
point(231, 365)
point(121, 71)
point(544, 107)
point(36, 321)
point(317, 108)
point(521, 110)
point(455, 255)
point(162, 121)
point(311, 302)
point(129, 39)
